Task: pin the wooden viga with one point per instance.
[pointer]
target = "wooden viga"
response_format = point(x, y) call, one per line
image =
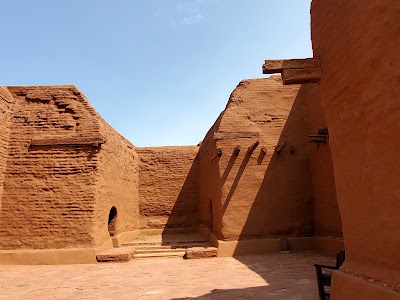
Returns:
point(295, 71)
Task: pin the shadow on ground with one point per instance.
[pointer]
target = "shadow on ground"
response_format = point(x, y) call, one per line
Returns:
point(283, 206)
point(285, 276)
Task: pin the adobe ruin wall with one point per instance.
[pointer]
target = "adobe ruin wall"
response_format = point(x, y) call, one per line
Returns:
point(117, 185)
point(51, 197)
point(6, 106)
point(71, 188)
point(358, 42)
point(326, 210)
point(263, 193)
point(210, 193)
point(168, 188)
point(51, 205)
point(77, 168)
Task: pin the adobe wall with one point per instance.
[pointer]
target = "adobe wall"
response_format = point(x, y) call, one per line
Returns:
point(117, 185)
point(48, 197)
point(260, 194)
point(357, 42)
point(168, 188)
point(327, 216)
point(209, 185)
point(6, 106)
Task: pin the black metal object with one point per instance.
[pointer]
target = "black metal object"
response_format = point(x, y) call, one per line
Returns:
point(284, 245)
point(319, 139)
point(323, 131)
point(324, 278)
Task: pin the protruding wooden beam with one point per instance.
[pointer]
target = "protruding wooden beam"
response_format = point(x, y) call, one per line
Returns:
point(319, 139)
point(279, 147)
point(222, 135)
point(71, 141)
point(236, 151)
point(253, 147)
point(300, 76)
point(264, 150)
point(277, 66)
point(216, 154)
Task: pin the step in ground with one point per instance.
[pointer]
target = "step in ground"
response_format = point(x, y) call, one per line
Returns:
point(116, 255)
point(186, 245)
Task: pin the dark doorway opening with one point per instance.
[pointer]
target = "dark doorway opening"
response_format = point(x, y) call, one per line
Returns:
point(112, 218)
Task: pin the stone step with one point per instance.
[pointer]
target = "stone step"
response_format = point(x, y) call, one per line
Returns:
point(163, 243)
point(201, 252)
point(189, 237)
point(163, 246)
point(116, 255)
point(158, 250)
point(190, 253)
point(163, 254)
point(173, 246)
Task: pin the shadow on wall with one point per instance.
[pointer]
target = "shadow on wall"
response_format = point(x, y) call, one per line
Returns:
point(184, 215)
point(283, 205)
point(237, 178)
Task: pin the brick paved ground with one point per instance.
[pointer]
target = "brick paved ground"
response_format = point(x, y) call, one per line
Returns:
point(273, 276)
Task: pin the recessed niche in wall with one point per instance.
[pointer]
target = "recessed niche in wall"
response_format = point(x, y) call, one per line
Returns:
point(112, 219)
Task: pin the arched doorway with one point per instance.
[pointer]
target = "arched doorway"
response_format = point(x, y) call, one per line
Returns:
point(112, 218)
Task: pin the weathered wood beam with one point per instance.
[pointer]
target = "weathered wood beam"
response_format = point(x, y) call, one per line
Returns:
point(300, 76)
point(278, 66)
point(216, 154)
point(264, 150)
point(72, 141)
point(236, 151)
point(279, 147)
point(222, 135)
point(253, 147)
point(319, 139)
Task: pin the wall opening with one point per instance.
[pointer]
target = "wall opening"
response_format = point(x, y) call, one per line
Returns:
point(112, 218)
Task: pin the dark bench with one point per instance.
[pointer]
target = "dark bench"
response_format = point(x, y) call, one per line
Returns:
point(324, 277)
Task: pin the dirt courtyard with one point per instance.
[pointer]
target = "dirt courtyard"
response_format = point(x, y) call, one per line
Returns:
point(271, 276)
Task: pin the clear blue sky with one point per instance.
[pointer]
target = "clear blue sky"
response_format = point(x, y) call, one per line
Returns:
point(158, 71)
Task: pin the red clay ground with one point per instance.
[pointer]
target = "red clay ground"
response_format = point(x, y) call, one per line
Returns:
point(272, 276)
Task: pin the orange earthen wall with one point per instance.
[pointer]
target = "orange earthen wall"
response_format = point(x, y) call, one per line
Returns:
point(48, 198)
point(327, 215)
point(6, 104)
point(358, 44)
point(168, 188)
point(263, 194)
point(209, 183)
point(117, 184)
